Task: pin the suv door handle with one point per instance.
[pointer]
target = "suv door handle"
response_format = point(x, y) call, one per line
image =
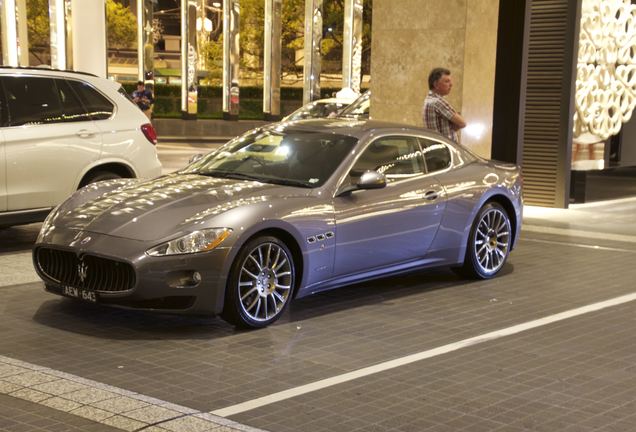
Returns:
point(431, 195)
point(85, 133)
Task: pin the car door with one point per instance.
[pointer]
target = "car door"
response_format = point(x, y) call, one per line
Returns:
point(49, 142)
point(395, 224)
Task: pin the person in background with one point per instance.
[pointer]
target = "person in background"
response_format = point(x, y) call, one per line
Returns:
point(437, 113)
point(143, 98)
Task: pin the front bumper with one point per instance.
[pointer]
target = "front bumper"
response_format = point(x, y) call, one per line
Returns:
point(188, 284)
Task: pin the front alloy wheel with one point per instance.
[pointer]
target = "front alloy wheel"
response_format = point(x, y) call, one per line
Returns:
point(489, 242)
point(261, 283)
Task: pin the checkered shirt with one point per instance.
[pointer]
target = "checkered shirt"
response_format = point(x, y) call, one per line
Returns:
point(437, 113)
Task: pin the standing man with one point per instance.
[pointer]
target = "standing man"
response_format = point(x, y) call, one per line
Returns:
point(143, 98)
point(437, 113)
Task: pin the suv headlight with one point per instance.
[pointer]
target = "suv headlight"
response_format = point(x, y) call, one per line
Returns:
point(197, 241)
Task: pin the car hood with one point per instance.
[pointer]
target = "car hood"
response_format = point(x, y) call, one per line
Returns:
point(162, 207)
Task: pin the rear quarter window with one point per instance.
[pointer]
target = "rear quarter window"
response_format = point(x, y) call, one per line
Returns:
point(96, 104)
point(437, 155)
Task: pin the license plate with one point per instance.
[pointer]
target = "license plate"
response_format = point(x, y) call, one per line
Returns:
point(80, 293)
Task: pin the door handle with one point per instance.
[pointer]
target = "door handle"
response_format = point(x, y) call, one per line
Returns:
point(431, 195)
point(84, 133)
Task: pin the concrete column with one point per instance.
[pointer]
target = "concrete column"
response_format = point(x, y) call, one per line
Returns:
point(272, 59)
point(89, 36)
point(231, 58)
point(145, 47)
point(23, 34)
point(313, 39)
point(58, 21)
point(352, 50)
point(188, 59)
point(412, 39)
point(9, 27)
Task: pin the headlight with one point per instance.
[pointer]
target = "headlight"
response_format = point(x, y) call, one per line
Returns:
point(197, 241)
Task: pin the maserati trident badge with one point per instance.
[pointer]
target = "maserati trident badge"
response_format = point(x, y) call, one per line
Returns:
point(82, 269)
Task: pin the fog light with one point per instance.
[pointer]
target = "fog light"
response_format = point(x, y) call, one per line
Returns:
point(184, 279)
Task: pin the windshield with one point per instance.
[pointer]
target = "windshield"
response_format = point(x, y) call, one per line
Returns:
point(359, 109)
point(296, 158)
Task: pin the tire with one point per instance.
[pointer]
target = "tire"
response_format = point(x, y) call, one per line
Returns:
point(99, 176)
point(488, 243)
point(260, 283)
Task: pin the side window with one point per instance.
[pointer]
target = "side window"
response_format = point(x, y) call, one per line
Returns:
point(32, 100)
point(4, 116)
point(396, 157)
point(98, 107)
point(71, 108)
point(436, 155)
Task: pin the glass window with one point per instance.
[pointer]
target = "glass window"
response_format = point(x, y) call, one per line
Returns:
point(359, 108)
point(71, 107)
point(98, 107)
point(436, 155)
point(396, 157)
point(4, 116)
point(32, 100)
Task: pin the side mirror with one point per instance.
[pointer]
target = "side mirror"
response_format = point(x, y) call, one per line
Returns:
point(371, 180)
point(196, 157)
point(368, 180)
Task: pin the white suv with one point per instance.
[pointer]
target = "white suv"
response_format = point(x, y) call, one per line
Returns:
point(60, 131)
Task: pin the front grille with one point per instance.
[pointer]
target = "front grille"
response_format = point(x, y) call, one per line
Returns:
point(88, 271)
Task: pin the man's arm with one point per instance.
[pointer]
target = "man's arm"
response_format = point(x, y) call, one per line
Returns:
point(447, 111)
point(458, 121)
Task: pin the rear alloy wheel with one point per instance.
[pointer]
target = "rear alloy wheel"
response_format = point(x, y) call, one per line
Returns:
point(489, 242)
point(260, 283)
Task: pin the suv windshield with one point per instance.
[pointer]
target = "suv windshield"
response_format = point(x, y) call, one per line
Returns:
point(294, 158)
point(359, 109)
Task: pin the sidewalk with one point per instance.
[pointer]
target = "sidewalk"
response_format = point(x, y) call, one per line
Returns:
point(601, 220)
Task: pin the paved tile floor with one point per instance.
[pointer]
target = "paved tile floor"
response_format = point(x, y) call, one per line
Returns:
point(577, 374)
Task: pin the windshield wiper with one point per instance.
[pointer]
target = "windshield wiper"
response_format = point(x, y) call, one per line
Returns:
point(243, 176)
point(230, 175)
point(289, 182)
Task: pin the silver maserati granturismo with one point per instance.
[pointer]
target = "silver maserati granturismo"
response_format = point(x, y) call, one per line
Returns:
point(283, 211)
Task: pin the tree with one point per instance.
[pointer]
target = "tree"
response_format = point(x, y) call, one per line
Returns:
point(38, 27)
point(121, 25)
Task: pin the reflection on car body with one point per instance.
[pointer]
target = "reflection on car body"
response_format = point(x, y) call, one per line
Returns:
point(250, 226)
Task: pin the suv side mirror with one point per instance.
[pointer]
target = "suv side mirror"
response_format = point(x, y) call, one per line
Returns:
point(368, 180)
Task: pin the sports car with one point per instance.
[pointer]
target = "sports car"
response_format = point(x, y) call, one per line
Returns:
point(281, 212)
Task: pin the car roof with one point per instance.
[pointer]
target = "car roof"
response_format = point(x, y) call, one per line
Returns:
point(43, 70)
point(354, 128)
point(58, 73)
